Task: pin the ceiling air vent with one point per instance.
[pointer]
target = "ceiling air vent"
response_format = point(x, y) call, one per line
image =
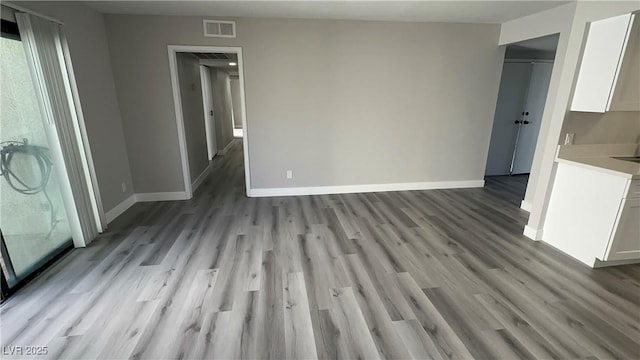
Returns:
point(219, 28)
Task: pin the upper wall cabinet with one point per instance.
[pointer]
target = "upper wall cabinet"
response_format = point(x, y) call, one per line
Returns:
point(608, 79)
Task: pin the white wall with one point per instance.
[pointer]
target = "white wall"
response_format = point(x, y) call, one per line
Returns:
point(86, 35)
point(571, 22)
point(192, 112)
point(317, 101)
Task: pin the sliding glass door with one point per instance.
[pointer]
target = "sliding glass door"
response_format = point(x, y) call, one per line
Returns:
point(33, 221)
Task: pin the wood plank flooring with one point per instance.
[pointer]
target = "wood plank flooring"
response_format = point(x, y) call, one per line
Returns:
point(443, 274)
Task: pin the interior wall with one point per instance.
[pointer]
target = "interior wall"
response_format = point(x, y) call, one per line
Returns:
point(570, 21)
point(616, 127)
point(87, 39)
point(223, 108)
point(317, 102)
point(192, 112)
point(237, 104)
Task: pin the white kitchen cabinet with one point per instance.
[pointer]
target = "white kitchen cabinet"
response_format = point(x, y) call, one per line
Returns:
point(625, 240)
point(626, 94)
point(606, 79)
point(593, 215)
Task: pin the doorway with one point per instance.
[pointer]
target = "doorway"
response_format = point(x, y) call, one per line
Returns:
point(524, 84)
point(210, 119)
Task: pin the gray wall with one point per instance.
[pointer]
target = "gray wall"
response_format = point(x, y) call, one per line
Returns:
point(617, 127)
point(223, 108)
point(237, 104)
point(318, 102)
point(193, 113)
point(86, 35)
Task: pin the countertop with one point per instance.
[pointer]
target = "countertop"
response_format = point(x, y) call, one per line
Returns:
point(600, 157)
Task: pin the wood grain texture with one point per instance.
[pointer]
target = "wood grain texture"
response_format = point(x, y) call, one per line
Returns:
point(440, 274)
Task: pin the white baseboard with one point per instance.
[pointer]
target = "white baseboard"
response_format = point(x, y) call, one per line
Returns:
point(161, 196)
point(142, 197)
point(533, 234)
point(226, 149)
point(348, 189)
point(201, 178)
point(120, 208)
point(525, 205)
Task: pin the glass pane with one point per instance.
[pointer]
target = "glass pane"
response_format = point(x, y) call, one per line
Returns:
point(32, 216)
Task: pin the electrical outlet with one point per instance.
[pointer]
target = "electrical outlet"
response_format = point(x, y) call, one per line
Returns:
point(124, 186)
point(289, 174)
point(568, 139)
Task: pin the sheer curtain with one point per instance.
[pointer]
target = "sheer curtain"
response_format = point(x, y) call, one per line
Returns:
point(43, 41)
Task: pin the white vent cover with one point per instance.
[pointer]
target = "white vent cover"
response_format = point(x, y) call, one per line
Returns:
point(219, 28)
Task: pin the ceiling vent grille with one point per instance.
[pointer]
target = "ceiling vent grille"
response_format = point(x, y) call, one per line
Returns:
point(219, 28)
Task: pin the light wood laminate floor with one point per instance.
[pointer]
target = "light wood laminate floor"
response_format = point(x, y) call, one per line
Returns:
point(442, 274)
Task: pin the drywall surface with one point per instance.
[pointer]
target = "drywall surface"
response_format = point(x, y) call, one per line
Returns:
point(192, 112)
point(570, 21)
point(87, 39)
point(318, 103)
point(617, 127)
point(223, 108)
point(237, 104)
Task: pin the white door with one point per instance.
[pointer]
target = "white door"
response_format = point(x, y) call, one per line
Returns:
point(511, 99)
point(533, 109)
point(207, 101)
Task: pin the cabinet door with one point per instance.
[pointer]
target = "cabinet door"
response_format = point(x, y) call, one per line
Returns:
point(625, 240)
point(601, 58)
point(626, 94)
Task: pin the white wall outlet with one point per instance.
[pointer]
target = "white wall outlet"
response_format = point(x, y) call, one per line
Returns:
point(568, 139)
point(289, 174)
point(124, 186)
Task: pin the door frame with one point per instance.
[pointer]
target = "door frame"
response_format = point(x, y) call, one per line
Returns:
point(177, 101)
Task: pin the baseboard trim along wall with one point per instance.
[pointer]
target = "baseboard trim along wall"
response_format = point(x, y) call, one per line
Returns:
point(200, 179)
point(533, 234)
point(161, 196)
point(120, 208)
point(319, 190)
point(526, 206)
point(142, 197)
point(226, 149)
point(348, 189)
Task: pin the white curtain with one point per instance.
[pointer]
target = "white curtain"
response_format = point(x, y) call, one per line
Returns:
point(43, 42)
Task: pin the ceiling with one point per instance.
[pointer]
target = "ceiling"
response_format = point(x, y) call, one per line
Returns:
point(228, 57)
point(219, 60)
point(475, 11)
point(544, 43)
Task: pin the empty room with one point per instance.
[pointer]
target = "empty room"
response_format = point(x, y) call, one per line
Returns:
point(320, 179)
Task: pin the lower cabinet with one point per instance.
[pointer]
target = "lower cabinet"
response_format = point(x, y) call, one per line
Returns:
point(625, 239)
point(593, 215)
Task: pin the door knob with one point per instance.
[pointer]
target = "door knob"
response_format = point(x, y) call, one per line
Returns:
point(525, 122)
point(517, 122)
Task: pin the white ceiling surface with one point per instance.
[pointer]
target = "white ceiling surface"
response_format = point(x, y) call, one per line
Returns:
point(475, 11)
point(545, 43)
